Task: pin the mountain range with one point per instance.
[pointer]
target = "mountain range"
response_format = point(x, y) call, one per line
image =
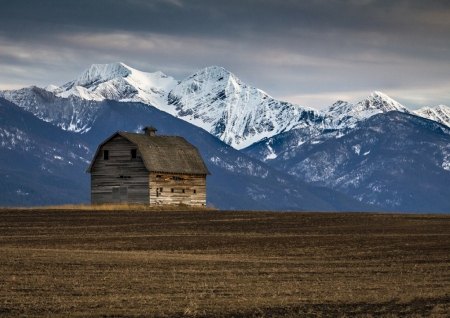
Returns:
point(346, 147)
point(212, 98)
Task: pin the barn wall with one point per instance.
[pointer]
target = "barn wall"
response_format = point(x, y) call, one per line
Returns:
point(105, 175)
point(189, 184)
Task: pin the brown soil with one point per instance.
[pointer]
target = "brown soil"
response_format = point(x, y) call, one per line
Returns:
point(223, 263)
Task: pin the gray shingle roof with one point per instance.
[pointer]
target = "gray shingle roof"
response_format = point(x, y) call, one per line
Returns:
point(165, 154)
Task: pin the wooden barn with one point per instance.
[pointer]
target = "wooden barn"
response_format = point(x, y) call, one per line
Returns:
point(148, 169)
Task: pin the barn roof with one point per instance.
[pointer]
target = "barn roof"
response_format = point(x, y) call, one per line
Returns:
point(165, 154)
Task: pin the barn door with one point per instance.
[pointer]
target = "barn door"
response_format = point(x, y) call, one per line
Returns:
point(116, 195)
point(123, 194)
point(119, 194)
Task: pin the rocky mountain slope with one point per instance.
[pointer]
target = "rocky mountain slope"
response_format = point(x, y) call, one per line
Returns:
point(71, 114)
point(396, 160)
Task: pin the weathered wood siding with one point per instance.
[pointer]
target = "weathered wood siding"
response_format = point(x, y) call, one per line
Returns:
point(167, 197)
point(132, 187)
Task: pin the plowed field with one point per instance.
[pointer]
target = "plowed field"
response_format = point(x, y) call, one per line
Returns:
point(223, 263)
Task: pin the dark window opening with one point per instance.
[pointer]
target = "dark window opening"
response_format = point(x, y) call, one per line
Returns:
point(159, 176)
point(106, 154)
point(195, 191)
point(124, 177)
point(171, 190)
point(177, 178)
point(183, 190)
point(133, 153)
point(160, 189)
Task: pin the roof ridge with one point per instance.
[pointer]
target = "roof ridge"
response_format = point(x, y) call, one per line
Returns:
point(139, 134)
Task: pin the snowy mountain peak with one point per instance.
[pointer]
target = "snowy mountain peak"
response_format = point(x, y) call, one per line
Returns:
point(440, 114)
point(442, 108)
point(51, 88)
point(99, 73)
point(216, 100)
point(117, 81)
point(382, 102)
point(212, 71)
point(215, 75)
point(343, 115)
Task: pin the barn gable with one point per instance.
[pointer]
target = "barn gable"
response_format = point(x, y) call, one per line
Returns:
point(165, 154)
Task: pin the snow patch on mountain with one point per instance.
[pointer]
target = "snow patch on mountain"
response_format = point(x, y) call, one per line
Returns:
point(357, 149)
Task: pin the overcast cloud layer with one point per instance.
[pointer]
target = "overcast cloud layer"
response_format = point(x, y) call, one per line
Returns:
point(307, 52)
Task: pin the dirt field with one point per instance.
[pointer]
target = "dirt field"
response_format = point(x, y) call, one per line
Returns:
point(223, 263)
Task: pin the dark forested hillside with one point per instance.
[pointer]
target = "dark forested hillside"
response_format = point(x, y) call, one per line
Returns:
point(396, 160)
point(43, 164)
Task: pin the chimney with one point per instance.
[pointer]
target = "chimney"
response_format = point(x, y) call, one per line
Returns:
point(150, 131)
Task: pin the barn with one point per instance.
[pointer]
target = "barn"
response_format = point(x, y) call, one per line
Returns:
point(148, 169)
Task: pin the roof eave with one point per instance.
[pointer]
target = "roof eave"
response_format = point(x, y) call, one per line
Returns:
point(178, 172)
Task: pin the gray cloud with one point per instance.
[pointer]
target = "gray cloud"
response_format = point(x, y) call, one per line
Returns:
point(318, 49)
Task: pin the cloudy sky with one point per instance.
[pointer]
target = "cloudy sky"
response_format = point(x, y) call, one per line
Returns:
point(309, 52)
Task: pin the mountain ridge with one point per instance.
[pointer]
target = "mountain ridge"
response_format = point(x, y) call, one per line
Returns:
point(211, 98)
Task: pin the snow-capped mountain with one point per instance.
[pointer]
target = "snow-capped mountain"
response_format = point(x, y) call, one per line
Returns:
point(332, 122)
point(342, 115)
point(440, 114)
point(212, 98)
point(119, 82)
point(72, 106)
point(236, 113)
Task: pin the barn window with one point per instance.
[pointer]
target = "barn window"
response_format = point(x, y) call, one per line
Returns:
point(171, 190)
point(160, 189)
point(177, 178)
point(133, 153)
point(183, 190)
point(159, 176)
point(195, 191)
point(106, 154)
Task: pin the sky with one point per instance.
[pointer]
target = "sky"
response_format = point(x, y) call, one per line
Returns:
point(309, 52)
